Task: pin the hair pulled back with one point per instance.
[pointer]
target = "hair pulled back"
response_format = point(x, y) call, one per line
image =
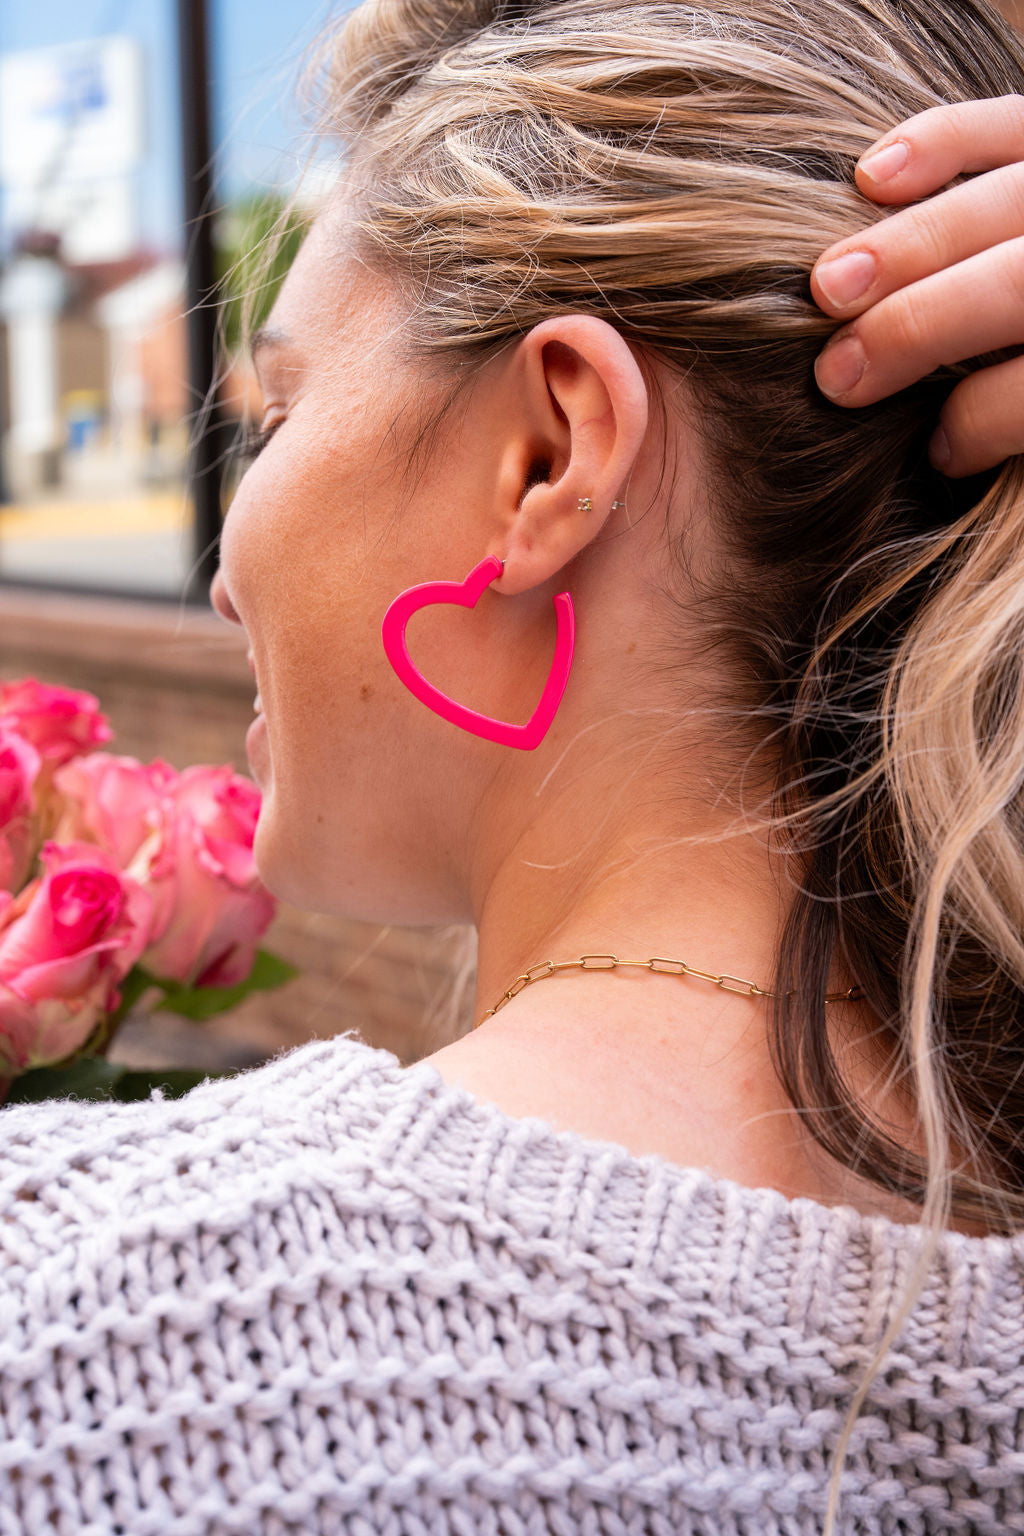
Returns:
point(677, 169)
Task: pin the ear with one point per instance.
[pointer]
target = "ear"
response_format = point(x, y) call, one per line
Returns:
point(579, 405)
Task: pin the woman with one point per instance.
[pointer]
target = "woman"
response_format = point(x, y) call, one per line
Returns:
point(632, 1254)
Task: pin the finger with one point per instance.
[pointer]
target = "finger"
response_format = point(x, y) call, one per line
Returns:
point(927, 151)
point(934, 322)
point(914, 243)
point(982, 421)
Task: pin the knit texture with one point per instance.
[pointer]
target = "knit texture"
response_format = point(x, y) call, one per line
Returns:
point(336, 1295)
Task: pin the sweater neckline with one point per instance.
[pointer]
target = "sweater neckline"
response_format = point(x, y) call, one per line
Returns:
point(751, 1253)
point(745, 1247)
point(461, 1108)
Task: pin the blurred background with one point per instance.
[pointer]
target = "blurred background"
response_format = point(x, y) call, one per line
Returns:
point(145, 147)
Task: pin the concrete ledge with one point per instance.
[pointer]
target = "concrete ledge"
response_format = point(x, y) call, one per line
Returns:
point(122, 637)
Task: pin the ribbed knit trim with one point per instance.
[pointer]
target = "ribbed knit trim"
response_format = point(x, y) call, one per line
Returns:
point(826, 1272)
point(752, 1253)
point(663, 1230)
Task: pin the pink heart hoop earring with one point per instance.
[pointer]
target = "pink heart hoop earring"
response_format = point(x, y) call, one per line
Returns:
point(465, 594)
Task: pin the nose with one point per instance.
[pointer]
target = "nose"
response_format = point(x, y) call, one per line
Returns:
point(220, 600)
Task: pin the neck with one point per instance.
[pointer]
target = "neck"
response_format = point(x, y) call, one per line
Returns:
point(657, 1063)
point(710, 895)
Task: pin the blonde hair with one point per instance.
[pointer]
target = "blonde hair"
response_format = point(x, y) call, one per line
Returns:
point(677, 169)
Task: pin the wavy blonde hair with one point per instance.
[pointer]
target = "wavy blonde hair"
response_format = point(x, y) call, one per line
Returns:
point(677, 169)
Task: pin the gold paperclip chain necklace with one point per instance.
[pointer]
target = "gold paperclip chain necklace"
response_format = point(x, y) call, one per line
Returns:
point(659, 964)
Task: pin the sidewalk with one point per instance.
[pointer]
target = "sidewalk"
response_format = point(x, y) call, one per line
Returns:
point(131, 542)
point(111, 517)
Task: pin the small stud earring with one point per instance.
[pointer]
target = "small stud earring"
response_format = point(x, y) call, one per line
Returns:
point(585, 504)
point(617, 504)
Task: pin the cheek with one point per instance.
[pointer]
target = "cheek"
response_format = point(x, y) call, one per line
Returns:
point(251, 534)
point(338, 759)
point(330, 740)
point(283, 558)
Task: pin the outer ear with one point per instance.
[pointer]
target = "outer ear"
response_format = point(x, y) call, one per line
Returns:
point(583, 399)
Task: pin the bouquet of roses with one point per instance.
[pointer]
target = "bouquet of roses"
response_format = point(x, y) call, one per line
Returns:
point(120, 882)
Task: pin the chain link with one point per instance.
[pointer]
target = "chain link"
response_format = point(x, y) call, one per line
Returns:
point(659, 964)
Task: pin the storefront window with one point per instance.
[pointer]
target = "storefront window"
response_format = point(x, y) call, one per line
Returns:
point(97, 402)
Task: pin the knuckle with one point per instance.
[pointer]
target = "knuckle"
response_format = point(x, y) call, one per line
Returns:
point(1010, 182)
point(905, 330)
point(1011, 109)
point(1010, 279)
point(961, 126)
point(927, 240)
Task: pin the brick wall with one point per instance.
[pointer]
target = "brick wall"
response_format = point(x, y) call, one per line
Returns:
point(176, 685)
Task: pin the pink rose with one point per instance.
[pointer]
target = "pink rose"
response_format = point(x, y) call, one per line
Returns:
point(112, 801)
point(60, 723)
point(66, 943)
point(210, 907)
point(19, 769)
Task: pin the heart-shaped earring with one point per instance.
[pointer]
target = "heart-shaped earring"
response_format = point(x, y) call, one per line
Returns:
point(465, 594)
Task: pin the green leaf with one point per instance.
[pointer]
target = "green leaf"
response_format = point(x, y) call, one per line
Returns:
point(202, 1003)
point(269, 972)
point(174, 1081)
point(133, 987)
point(91, 1077)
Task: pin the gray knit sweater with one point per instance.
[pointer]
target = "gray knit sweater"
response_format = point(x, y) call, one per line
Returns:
point(336, 1295)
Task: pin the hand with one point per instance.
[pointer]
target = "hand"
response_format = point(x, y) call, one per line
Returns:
point(939, 282)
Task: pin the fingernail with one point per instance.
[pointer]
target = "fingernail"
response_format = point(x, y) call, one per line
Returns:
point(886, 163)
point(841, 367)
point(847, 278)
point(939, 450)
